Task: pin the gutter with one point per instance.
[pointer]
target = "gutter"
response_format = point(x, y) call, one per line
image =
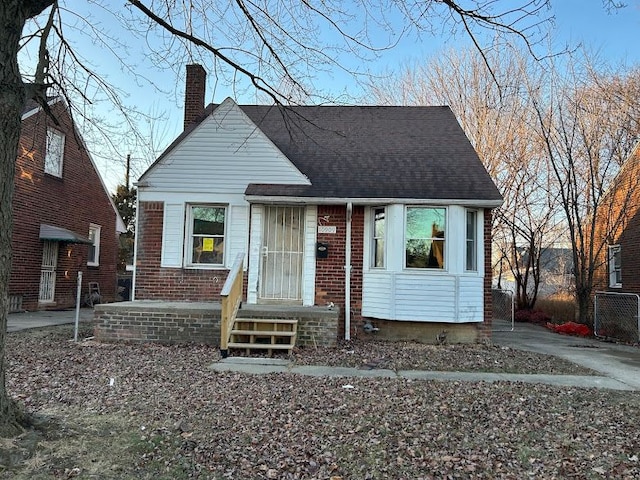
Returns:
point(295, 200)
point(347, 275)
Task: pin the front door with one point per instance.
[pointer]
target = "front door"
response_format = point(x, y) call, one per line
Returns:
point(48, 271)
point(282, 254)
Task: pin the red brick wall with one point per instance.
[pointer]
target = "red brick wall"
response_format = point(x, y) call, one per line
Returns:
point(72, 202)
point(330, 272)
point(162, 283)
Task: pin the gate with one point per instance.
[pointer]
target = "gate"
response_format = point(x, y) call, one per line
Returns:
point(617, 315)
point(48, 271)
point(503, 310)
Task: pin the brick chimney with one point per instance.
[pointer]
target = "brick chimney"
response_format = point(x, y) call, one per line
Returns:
point(194, 93)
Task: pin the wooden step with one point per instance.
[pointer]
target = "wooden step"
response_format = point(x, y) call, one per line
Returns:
point(261, 346)
point(263, 333)
point(280, 321)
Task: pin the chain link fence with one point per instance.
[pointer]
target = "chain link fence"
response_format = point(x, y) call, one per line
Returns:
point(503, 309)
point(617, 315)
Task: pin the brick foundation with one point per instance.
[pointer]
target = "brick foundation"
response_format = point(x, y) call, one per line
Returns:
point(199, 322)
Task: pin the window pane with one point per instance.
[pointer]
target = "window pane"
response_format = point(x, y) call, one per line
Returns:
point(379, 226)
point(208, 220)
point(379, 222)
point(615, 266)
point(53, 153)
point(471, 263)
point(425, 233)
point(425, 222)
point(378, 260)
point(207, 250)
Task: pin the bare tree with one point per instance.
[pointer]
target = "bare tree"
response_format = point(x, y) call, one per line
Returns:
point(588, 131)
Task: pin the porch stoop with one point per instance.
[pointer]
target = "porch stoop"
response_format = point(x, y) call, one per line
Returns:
point(264, 334)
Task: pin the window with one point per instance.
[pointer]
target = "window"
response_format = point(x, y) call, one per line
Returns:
point(93, 259)
point(425, 237)
point(615, 266)
point(54, 153)
point(379, 232)
point(206, 244)
point(471, 264)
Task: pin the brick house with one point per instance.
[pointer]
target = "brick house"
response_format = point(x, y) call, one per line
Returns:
point(63, 218)
point(618, 231)
point(384, 212)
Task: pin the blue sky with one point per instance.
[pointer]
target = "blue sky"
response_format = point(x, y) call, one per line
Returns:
point(613, 36)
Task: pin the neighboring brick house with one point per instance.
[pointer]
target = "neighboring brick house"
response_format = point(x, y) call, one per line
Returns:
point(617, 237)
point(384, 212)
point(63, 218)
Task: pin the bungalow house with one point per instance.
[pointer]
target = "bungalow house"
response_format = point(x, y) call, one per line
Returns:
point(63, 218)
point(382, 213)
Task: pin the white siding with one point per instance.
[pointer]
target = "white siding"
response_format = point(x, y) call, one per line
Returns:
point(172, 235)
point(237, 233)
point(309, 267)
point(223, 154)
point(471, 290)
point(255, 251)
point(377, 291)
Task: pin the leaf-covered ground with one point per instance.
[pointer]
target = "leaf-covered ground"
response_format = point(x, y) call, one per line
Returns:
point(130, 411)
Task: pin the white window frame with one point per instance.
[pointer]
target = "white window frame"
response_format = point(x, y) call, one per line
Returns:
point(471, 244)
point(188, 259)
point(54, 152)
point(375, 239)
point(444, 239)
point(615, 268)
point(94, 234)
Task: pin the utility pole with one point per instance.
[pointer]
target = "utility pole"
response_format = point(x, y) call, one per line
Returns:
point(126, 175)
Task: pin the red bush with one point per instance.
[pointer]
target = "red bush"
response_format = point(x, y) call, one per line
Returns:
point(571, 328)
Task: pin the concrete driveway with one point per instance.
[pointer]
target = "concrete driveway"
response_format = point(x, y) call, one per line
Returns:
point(621, 362)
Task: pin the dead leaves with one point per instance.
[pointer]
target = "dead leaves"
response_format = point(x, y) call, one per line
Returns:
point(206, 425)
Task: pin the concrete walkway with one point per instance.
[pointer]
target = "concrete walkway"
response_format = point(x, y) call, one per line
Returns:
point(618, 365)
point(46, 318)
point(254, 365)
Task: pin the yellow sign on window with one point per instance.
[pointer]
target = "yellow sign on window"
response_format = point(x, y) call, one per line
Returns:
point(207, 244)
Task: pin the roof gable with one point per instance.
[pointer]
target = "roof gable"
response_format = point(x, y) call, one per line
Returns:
point(225, 148)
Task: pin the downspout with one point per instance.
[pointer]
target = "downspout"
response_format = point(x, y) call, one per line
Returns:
point(347, 275)
point(135, 245)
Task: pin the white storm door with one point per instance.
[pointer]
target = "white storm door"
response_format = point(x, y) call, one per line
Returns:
point(282, 254)
point(48, 271)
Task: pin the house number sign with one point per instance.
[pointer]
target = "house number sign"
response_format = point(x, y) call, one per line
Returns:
point(326, 229)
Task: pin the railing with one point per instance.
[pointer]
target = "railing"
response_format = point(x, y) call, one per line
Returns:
point(231, 296)
point(617, 315)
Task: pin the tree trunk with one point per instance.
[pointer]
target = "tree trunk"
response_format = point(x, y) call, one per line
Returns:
point(12, 101)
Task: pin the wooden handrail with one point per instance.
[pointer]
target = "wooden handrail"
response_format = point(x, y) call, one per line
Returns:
point(231, 296)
